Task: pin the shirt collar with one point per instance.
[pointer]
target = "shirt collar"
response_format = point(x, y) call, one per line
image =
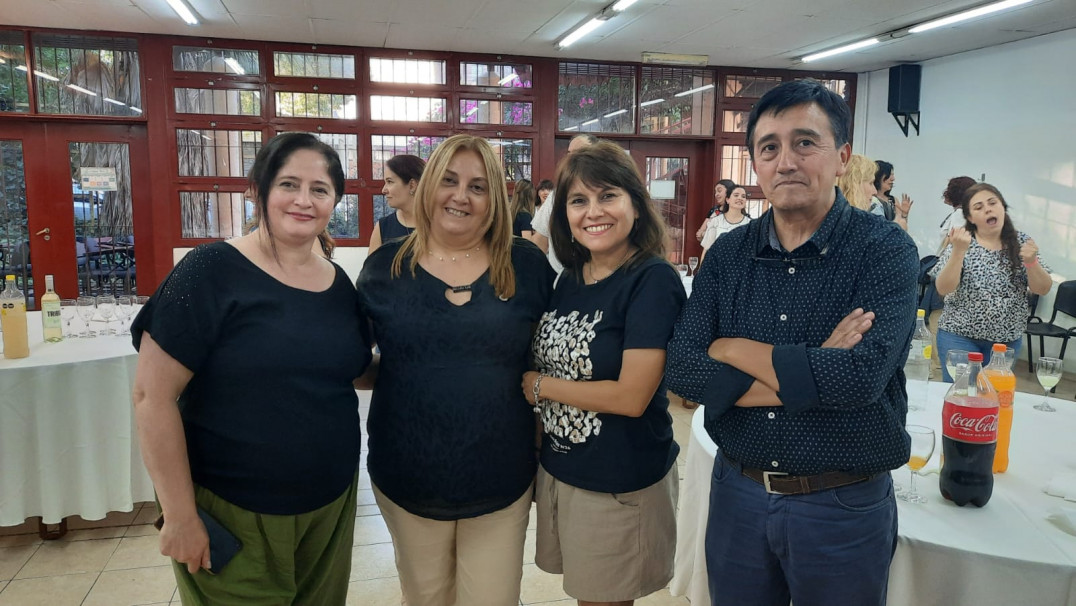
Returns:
point(770, 245)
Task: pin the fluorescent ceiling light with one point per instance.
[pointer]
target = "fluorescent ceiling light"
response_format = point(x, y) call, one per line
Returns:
point(183, 11)
point(694, 90)
point(235, 67)
point(655, 101)
point(135, 109)
point(572, 128)
point(114, 102)
point(579, 32)
point(2, 61)
point(21, 67)
point(616, 113)
point(472, 111)
point(589, 122)
point(840, 49)
point(82, 90)
point(508, 78)
point(622, 5)
point(973, 13)
point(41, 74)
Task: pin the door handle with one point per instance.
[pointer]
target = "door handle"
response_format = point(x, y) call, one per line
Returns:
point(44, 232)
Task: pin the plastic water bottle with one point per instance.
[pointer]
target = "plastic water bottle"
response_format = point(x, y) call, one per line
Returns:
point(917, 368)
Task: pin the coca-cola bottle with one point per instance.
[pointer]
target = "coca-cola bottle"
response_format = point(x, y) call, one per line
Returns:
point(969, 436)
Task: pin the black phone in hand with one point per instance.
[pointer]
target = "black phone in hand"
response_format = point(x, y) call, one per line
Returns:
point(223, 545)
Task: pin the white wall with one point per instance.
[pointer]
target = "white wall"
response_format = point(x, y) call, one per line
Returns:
point(1008, 111)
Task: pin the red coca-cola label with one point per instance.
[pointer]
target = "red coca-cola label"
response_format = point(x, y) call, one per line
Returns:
point(972, 424)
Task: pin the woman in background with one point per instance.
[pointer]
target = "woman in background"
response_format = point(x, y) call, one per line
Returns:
point(985, 273)
point(732, 215)
point(402, 174)
point(453, 308)
point(953, 196)
point(857, 182)
point(545, 187)
point(522, 209)
point(607, 485)
point(707, 234)
point(884, 203)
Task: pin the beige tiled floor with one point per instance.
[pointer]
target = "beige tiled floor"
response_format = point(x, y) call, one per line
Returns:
point(115, 561)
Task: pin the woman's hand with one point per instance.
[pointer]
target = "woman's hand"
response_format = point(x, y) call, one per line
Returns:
point(904, 205)
point(529, 378)
point(1029, 252)
point(185, 540)
point(960, 238)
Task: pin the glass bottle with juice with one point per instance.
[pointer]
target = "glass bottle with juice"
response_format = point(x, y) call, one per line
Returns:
point(13, 320)
point(1004, 382)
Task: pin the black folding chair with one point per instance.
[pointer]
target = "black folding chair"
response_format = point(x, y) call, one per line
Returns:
point(1064, 302)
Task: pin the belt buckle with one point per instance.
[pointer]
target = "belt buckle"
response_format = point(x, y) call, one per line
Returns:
point(766, 475)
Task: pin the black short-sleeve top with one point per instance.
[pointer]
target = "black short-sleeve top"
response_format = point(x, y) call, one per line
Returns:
point(522, 223)
point(450, 434)
point(270, 415)
point(391, 228)
point(583, 337)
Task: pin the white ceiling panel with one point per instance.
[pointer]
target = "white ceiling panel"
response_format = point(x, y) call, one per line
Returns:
point(359, 12)
point(265, 7)
point(454, 13)
point(424, 37)
point(265, 27)
point(347, 33)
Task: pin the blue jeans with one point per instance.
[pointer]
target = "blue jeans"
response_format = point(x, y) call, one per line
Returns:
point(825, 548)
point(948, 340)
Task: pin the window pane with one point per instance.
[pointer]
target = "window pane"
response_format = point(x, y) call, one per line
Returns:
point(83, 75)
point(223, 101)
point(407, 71)
point(736, 165)
point(347, 147)
point(14, 88)
point(596, 98)
point(674, 172)
point(345, 220)
point(475, 111)
point(381, 207)
point(749, 86)
point(515, 155)
point(14, 234)
point(838, 86)
point(216, 153)
point(316, 105)
point(506, 75)
point(207, 214)
point(407, 109)
point(734, 121)
point(677, 101)
point(235, 62)
point(383, 147)
point(313, 65)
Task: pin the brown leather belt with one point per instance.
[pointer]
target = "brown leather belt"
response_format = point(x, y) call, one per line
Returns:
point(782, 483)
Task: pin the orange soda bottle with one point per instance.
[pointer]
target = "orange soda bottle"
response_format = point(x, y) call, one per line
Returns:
point(1004, 381)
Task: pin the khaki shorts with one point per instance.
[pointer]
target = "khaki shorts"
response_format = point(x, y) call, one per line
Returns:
point(609, 547)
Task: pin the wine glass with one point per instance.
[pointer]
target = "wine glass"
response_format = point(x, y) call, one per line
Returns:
point(106, 306)
point(124, 309)
point(956, 362)
point(1048, 371)
point(68, 311)
point(683, 270)
point(87, 309)
point(922, 450)
point(693, 262)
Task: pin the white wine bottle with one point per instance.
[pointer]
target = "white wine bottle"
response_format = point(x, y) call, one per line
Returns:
point(51, 323)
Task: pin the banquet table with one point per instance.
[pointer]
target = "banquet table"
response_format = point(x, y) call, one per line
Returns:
point(1008, 552)
point(68, 444)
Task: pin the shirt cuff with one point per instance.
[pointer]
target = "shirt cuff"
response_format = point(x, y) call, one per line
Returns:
point(724, 389)
point(793, 368)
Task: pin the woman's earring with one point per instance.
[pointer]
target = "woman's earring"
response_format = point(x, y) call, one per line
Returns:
point(573, 238)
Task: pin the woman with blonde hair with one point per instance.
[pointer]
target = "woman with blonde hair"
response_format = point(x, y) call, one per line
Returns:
point(857, 182)
point(451, 438)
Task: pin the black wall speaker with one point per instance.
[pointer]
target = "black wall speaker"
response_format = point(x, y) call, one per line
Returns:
point(904, 88)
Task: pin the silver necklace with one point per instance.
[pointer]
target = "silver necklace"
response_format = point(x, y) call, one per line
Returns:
point(590, 269)
point(452, 258)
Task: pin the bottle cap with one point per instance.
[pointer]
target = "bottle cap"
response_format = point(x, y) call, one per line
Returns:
point(975, 356)
point(920, 313)
point(1000, 347)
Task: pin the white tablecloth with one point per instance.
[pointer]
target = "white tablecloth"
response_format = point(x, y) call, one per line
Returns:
point(68, 444)
point(1005, 553)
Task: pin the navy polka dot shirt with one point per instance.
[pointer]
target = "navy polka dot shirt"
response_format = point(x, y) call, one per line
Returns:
point(843, 410)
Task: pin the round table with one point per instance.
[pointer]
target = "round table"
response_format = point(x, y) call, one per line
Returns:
point(1005, 553)
point(67, 436)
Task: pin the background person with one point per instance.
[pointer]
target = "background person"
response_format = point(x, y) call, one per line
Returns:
point(733, 214)
point(402, 174)
point(259, 339)
point(607, 443)
point(857, 182)
point(985, 274)
point(522, 209)
point(885, 203)
point(545, 187)
point(543, 214)
point(705, 235)
point(453, 308)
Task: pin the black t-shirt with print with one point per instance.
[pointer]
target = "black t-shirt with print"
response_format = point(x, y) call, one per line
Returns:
point(583, 337)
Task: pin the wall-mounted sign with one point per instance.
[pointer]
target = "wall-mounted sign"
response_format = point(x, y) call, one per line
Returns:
point(98, 179)
point(662, 189)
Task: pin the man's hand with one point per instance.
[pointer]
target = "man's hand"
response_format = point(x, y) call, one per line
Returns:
point(850, 330)
point(960, 238)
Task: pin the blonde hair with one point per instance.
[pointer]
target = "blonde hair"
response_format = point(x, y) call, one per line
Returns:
point(498, 224)
point(860, 170)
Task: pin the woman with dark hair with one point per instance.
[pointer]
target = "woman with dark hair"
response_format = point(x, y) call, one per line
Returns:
point(522, 209)
point(885, 203)
point(244, 395)
point(707, 233)
point(453, 307)
point(953, 196)
point(607, 444)
point(402, 174)
point(545, 187)
point(985, 274)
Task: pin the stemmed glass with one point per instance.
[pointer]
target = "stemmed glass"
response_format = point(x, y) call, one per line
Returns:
point(68, 311)
point(693, 262)
point(922, 450)
point(1048, 371)
point(682, 269)
point(124, 309)
point(106, 306)
point(87, 309)
point(956, 362)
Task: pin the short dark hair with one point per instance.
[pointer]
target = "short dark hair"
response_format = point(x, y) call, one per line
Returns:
point(545, 184)
point(604, 164)
point(954, 191)
point(802, 92)
point(885, 170)
point(407, 167)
